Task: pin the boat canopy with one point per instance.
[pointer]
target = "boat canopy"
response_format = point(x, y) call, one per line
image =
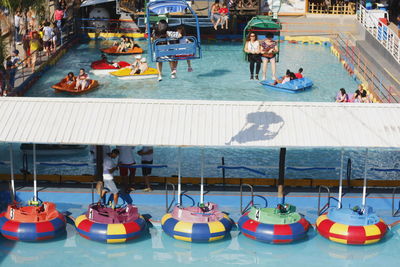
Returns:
point(167, 7)
point(95, 2)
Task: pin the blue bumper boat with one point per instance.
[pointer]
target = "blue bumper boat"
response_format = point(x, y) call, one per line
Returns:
point(294, 86)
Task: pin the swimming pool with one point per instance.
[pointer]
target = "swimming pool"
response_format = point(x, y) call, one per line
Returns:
point(222, 74)
point(156, 247)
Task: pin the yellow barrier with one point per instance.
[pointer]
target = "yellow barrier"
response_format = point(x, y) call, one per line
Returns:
point(109, 35)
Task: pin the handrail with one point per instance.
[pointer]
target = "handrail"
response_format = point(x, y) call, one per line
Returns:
point(241, 198)
point(382, 33)
point(353, 57)
point(397, 212)
point(328, 203)
point(168, 204)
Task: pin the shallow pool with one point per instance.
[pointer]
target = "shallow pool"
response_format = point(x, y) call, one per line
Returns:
point(222, 74)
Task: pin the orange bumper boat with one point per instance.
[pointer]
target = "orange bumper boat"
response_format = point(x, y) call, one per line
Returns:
point(63, 86)
point(113, 51)
point(32, 223)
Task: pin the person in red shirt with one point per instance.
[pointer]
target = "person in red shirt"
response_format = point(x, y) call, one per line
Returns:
point(223, 11)
point(299, 75)
point(58, 16)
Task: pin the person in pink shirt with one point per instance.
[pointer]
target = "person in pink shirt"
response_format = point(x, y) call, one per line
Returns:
point(58, 16)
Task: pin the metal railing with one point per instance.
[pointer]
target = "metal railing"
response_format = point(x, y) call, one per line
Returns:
point(348, 51)
point(395, 211)
point(169, 204)
point(382, 33)
point(328, 202)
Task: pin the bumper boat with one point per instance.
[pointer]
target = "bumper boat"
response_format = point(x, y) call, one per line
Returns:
point(104, 224)
point(274, 225)
point(63, 86)
point(49, 150)
point(101, 67)
point(352, 226)
point(293, 86)
point(39, 221)
point(125, 74)
point(113, 51)
point(197, 224)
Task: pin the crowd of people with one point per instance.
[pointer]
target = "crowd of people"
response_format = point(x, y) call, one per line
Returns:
point(122, 158)
point(31, 37)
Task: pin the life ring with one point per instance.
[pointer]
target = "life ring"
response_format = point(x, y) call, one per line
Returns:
point(107, 225)
point(258, 224)
point(350, 233)
point(292, 42)
point(32, 223)
point(195, 224)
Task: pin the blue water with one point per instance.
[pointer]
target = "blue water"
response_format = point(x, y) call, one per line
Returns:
point(155, 247)
point(222, 74)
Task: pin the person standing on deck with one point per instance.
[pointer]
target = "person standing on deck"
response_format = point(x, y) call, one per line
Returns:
point(108, 168)
point(127, 160)
point(146, 153)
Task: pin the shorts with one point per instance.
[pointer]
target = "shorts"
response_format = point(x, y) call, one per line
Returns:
point(123, 171)
point(47, 44)
point(109, 184)
point(215, 16)
point(254, 58)
point(146, 171)
point(267, 59)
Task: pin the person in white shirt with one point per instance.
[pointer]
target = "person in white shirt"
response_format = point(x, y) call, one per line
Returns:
point(126, 159)
point(146, 153)
point(17, 24)
point(109, 167)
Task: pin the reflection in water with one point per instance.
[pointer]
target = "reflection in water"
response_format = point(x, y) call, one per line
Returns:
point(155, 248)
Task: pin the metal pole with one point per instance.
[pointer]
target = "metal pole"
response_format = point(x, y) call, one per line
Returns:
point(365, 180)
point(179, 176)
point(34, 174)
point(340, 181)
point(223, 173)
point(202, 177)
point(12, 173)
point(281, 178)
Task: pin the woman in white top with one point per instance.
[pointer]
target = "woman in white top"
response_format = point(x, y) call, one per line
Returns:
point(252, 48)
point(126, 160)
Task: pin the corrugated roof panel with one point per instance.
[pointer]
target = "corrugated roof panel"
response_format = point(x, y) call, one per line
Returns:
point(198, 123)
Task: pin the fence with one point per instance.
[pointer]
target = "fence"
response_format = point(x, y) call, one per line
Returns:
point(377, 84)
point(381, 32)
point(337, 9)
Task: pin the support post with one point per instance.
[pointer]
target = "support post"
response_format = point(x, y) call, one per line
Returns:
point(12, 174)
point(281, 179)
point(99, 163)
point(223, 173)
point(202, 177)
point(340, 181)
point(34, 174)
point(365, 180)
point(179, 177)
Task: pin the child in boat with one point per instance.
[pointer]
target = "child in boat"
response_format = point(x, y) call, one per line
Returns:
point(105, 60)
point(141, 67)
point(70, 78)
point(299, 74)
point(342, 96)
point(82, 80)
point(121, 44)
point(287, 78)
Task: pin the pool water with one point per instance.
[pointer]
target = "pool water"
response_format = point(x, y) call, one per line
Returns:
point(221, 74)
point(155, 248)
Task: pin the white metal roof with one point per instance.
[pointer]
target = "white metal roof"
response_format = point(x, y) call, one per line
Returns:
point(198, 123)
